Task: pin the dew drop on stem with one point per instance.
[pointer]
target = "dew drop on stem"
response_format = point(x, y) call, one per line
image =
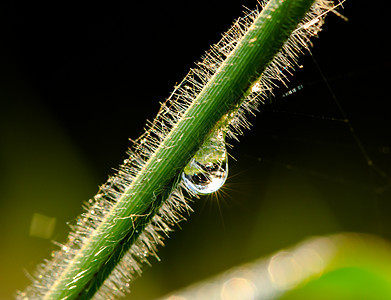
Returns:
point(207, 171)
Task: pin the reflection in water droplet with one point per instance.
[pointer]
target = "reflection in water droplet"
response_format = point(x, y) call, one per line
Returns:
point(208, 169)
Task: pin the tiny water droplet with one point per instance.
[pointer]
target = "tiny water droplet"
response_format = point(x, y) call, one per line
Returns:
point(208, 169)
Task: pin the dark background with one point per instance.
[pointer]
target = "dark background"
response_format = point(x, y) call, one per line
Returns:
point(78, 80)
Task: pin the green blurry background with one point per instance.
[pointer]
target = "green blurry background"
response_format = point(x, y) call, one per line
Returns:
point(77, 81)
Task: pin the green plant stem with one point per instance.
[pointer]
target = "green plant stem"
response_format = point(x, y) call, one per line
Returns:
point(151, 187)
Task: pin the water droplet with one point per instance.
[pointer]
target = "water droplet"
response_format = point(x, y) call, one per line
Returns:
point(208, 169)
